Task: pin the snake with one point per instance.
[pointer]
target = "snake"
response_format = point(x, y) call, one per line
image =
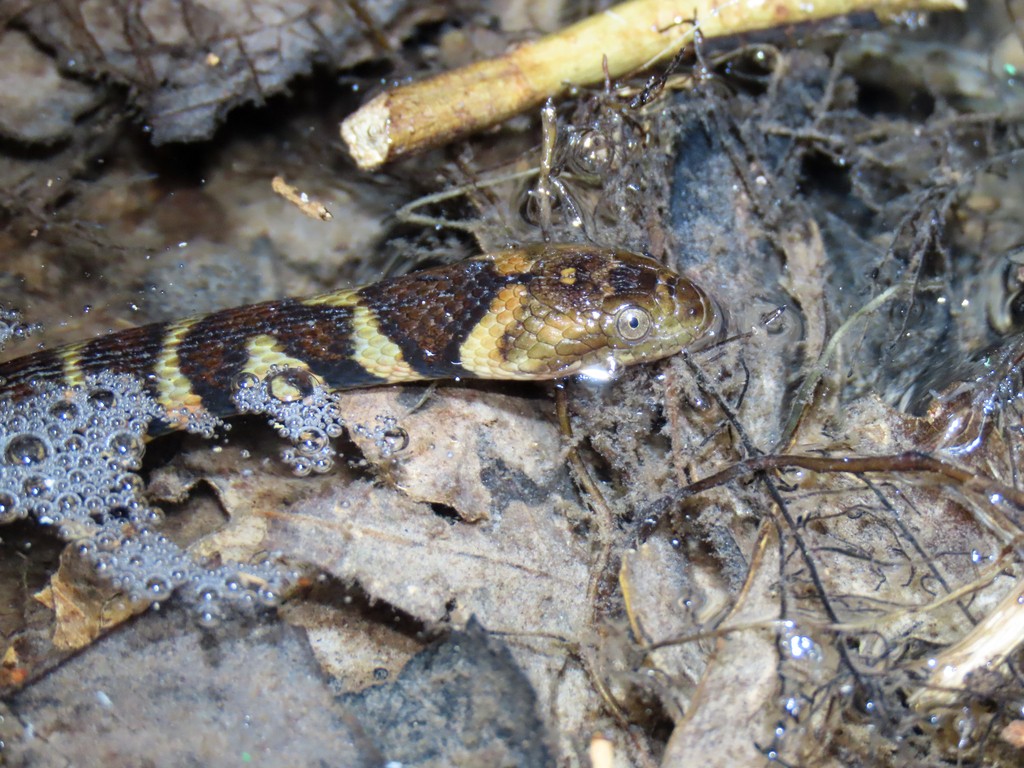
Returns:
point(534, 312)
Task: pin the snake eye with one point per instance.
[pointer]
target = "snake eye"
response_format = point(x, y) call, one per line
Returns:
point(633, 323)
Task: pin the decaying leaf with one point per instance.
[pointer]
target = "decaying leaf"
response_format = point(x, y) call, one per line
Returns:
point(40, 105)
point(189, 65)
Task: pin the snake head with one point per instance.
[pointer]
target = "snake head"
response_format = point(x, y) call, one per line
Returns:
point(589, 310)
point(650, 312)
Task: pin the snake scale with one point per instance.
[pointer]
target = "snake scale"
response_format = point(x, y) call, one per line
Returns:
point(535, 312)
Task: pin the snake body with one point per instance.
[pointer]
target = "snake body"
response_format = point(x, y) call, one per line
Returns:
point(535, 312)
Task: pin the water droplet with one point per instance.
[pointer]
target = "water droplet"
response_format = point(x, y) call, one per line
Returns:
point(395, 439)
point(157, 587)
point(64, 411)
point(123, 443)
point(268, 596)
point(69, 502)
point(107, 541)
point(37, 487)
point(289, 385)
point(530, 209)
point(8, 506)
point(86, 548)
point(245, 380)
point(102, 399)
point(104, 562)
point(129, 483)
point(591, 153)
point(208, 617)
point(323, 465)
point(312, 441)
point(25, 450)
point(126, 448)
point(74, 443)
point(95, 503)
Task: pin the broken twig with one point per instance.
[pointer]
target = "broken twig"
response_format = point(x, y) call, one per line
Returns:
point(632, 36)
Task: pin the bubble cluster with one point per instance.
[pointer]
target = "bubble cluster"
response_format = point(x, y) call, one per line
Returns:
point(12, 326)
point(388, 438)
point(590, 152)
point(68, 457)
point(301, 410)
point(201, 422)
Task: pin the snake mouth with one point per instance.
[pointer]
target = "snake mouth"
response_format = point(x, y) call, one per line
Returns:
point(700, 319)
point(712, 329)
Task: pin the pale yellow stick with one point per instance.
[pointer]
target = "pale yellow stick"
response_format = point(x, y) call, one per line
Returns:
point(983, 650)
point(631, 35)
point(312, 208)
